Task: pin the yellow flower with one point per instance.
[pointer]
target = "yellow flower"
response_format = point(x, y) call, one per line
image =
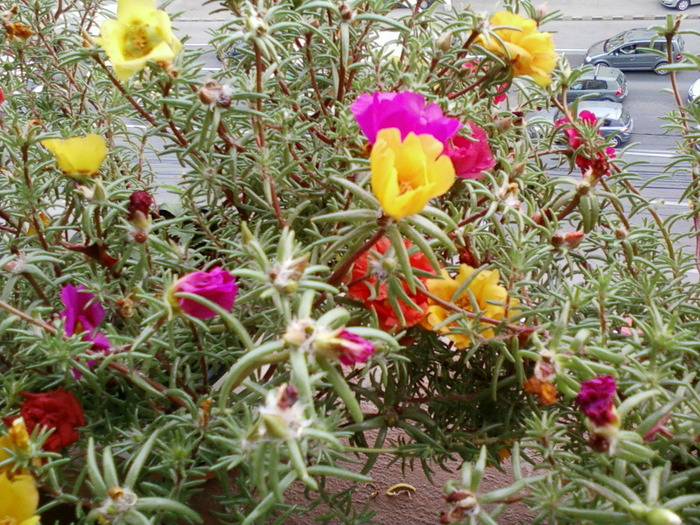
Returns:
point(139, 34)
point(483, 288)
point(19, 500)
point(529, 51)
point(78, 157)
point(406, 175)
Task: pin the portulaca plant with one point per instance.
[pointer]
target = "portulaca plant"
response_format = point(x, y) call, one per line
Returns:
point(366, 252)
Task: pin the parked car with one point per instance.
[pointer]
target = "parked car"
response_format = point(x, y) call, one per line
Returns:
point(631, 51)
point(615, 119)
point(681, 5)
point(602, 83)
point(694, 91)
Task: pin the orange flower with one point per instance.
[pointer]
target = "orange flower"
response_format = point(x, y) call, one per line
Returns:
point(546, 391)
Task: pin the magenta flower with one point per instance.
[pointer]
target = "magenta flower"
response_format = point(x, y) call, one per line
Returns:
point(470, 156)
point(343, 345)
point(405, 111)
point(216, 285)
point(83, 314)
point(598, 163)
point(354, 348)
point(596, 400)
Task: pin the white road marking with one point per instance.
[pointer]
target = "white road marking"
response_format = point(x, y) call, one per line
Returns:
point(642, 153)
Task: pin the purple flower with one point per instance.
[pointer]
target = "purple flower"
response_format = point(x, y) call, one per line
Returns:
point(470, 156)
point(216, 285)
point(83, 314)
point(596, 400)
point(405, 111)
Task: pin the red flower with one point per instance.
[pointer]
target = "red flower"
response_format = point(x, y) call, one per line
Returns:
point(368, 285)
point(59, 410)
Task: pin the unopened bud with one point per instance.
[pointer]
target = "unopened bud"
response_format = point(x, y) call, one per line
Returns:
point(504, 124)
point(346, 13)
point(663, 517)
point(444, 42)
point(214, 94)
point(620, 233)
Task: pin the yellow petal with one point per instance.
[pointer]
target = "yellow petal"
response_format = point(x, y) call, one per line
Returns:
point(78, 155)
point(131, 11)
point(19, 498)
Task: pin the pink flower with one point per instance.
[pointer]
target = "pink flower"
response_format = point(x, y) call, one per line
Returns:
point(405, 111)
point(501, 93)
point(596, 400)
point(216, 285)
point(83, 314)
point(470, 156)
point(344, 346)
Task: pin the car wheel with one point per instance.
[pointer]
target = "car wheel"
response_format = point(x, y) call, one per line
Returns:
point(658, 70)
point(604, 64)
point(682, 5)
point(616, 142)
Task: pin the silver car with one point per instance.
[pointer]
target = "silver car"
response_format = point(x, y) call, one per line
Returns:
point(681, 5)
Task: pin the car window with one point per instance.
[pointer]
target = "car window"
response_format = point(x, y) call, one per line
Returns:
point(577, 86)
point(629, 49)
point(596, 84)
point(607, 122)
point(613, 42)
point(660, 45)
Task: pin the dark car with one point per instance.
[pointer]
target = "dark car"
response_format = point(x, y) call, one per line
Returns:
point(602, 83)
point(681, 5)
point(631, 51)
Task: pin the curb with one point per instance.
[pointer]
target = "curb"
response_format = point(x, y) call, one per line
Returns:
point(617, 18)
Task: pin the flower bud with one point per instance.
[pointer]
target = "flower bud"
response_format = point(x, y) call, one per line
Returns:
point(139, 212)
point(342, 345)
point(214, 94)
point(662, 517)
point(346, 12)
point(444, 41)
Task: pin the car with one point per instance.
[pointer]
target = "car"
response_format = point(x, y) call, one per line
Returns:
point(694, 91)
point(681, 5)
point(602, 83)
point(631, 51)
point(616, 120)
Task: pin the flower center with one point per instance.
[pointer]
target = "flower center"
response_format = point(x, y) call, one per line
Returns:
point(140, 39)
point(405, 186)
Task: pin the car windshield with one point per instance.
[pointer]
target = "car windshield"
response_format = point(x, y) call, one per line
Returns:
point(613, 42)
